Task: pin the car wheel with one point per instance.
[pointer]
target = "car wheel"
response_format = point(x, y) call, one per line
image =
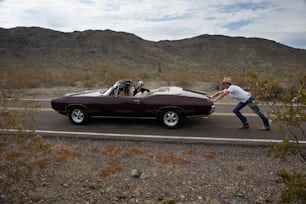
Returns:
point(171, 118)
point(78, 116)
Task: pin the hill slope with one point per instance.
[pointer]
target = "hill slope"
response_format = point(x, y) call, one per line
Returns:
point(43, 48)
point(201, 58)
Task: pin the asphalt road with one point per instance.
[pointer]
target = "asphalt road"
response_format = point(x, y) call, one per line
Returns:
point(221, 127)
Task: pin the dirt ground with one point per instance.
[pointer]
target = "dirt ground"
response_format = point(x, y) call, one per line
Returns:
point(104, 171)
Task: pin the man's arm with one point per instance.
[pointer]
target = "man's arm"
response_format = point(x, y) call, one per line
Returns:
point(219, 95)
point(216, 94)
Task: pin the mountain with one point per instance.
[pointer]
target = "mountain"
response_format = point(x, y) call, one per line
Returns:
point(43, 48)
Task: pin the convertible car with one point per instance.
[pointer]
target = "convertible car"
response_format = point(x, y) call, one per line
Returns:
point(170, 105)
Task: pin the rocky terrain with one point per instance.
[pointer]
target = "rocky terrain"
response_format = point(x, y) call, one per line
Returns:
point(103, 171)
point(43, 48)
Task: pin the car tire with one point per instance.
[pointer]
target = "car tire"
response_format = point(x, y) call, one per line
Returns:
point(78, 116)
point(171, 118)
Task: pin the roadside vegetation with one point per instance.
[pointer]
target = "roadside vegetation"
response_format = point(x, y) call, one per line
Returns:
point(27, 159)
point(288, 110)
point(106, 74)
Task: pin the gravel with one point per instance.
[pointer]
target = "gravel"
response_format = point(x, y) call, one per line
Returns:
point(103, 171)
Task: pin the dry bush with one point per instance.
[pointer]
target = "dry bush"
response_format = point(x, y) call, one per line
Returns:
point(41, 162)
point(61, 158)
point(240, 167)
point(190, 151)
point(209, 154)
point(99, 75)
point(37, 197)
point(112, 149)
point(23, 155)
point(3, 145)
point(18, 166)
point(111, 168)
point(37, 147)
point(13, 155)
point(63, 153)
point(94, 149)
point(9, 119)
point(168, 158)
point(134, 151)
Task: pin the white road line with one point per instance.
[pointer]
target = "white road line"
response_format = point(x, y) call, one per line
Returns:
point(29, 99)
point(232, 114)
point(26, 109)
point(94, 135)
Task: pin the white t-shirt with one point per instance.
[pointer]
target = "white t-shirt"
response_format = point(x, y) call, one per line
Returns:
point(238, 93)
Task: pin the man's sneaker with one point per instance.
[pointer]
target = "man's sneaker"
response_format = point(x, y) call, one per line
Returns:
point(244, 127)
point(264, 128)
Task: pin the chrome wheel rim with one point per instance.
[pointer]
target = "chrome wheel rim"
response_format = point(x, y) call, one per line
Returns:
point(77, 115)
point(171, 118)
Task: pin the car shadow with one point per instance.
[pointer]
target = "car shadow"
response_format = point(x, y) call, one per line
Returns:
point(123, 121)
point(142, 123)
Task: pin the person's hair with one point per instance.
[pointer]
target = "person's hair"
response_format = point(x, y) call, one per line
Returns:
point(139, 84)
point(229, 83)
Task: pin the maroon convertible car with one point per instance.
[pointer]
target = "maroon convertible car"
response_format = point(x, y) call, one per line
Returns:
point(170, 105)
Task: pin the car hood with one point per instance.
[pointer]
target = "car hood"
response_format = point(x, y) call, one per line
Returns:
point(97, 92)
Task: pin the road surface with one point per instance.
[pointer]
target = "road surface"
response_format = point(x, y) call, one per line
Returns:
point(221, 127)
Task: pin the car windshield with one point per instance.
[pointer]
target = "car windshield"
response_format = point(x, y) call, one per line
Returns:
point(110, 91)
point(113, 90)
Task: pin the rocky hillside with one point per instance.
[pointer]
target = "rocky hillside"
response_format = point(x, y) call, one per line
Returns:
point(44, 48)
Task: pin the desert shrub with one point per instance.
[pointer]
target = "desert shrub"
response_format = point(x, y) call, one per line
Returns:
point(190, 151)
point(295, 186)
point(265, 88)
point(112, 149)
point(209, 153)
point(23, 156)
point(180, 75)
point(63, 153)
point(134, 151)
point(288, 110)
point(94, 149)
point(170, 201)
point(21, 168)
point(284, 149)
point(112, 167)
point(240, 167)
point(168, 158)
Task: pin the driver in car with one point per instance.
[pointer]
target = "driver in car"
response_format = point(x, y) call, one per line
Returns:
point(140, 88)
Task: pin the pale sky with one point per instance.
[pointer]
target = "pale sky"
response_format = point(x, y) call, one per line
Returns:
point(283, 21)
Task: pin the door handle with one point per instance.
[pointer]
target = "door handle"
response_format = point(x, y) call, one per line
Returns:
point(136, 101)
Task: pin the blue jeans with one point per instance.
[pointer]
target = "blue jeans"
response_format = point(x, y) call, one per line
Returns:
point(254, 107)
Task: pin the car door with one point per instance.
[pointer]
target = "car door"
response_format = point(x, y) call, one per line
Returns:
point(116, 106)
point(128, 106)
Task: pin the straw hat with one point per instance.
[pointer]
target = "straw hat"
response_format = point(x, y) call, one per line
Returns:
point(227, 80)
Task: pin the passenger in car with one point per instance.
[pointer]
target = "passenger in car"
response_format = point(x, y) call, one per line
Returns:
point(120, 92)
point(140, 88)
point(127, 90)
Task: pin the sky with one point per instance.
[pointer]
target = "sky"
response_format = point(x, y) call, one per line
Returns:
point(283, 21)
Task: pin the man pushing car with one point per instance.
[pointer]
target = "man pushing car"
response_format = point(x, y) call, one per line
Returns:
point(244, 98)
